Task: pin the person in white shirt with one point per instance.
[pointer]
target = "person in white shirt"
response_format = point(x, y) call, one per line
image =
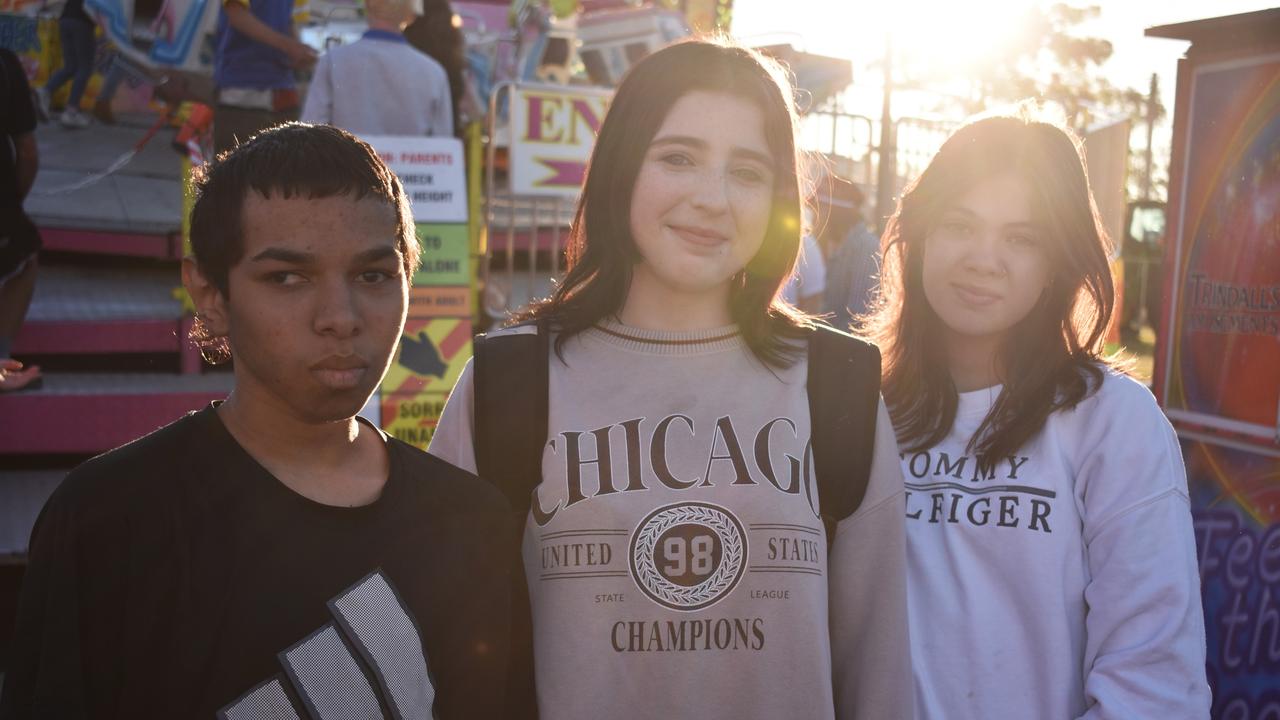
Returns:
point(380, 84)
point(1051, 558)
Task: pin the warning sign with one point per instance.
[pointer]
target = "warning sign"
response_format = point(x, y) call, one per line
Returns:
point(436, 342)
point(445, 255)
point(440, 302)
point(430, 357)
point(432, 171)
point(413, 418)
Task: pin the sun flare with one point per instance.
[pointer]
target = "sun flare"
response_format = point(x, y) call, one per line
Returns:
point(939, 36)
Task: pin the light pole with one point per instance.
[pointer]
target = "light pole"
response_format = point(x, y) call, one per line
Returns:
point(887, 171)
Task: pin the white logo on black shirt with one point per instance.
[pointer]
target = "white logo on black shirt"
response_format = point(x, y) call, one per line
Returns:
point(369, 657)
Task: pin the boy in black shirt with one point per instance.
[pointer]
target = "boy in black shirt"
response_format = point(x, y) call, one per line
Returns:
point(273, 556)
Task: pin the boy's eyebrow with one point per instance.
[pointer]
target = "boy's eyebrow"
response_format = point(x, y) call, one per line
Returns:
point(382, 252)
point(283, 255)
point(300, 258)
point(698, 144)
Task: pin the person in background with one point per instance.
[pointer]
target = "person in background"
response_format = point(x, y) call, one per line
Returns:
point(19, 238)
point(1052, 568)
point(381, 85)
point(75, 30)
point(853, 265)
point(255, 55)
point(437, 33)
point(805, 285)
point(117, 68)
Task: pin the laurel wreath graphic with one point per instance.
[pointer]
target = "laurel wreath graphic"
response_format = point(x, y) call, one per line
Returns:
point(706, 592)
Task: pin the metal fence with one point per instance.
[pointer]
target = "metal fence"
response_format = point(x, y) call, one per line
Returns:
point(850, 143)
point(525, 234)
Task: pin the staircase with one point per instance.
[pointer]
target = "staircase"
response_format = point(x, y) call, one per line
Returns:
point(104, 323)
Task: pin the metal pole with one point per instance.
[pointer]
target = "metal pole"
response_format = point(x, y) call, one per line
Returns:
point(555, 241)
point(490, 187)
point(533, 248)
point(1148, 167)
point(888, 162)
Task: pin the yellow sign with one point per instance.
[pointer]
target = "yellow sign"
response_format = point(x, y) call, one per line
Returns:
point(412, 418)
point(440, 302)
point(430, 357)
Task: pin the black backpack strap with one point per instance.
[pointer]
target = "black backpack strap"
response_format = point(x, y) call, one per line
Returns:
point(511, 413)
point(844, 398)
point(510, 401)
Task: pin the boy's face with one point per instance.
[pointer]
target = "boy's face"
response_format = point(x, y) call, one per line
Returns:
point(317, 303)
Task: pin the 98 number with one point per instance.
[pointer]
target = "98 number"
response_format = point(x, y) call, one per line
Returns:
point(695, 556)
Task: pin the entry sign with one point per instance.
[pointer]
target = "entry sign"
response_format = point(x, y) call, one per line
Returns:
point(552, 132)
point(436, 342)
point(433, 172)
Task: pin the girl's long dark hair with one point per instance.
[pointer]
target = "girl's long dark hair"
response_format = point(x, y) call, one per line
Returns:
point(1051, 360)
point(601, 252)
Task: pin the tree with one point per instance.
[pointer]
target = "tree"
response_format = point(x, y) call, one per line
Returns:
point(1042, 56)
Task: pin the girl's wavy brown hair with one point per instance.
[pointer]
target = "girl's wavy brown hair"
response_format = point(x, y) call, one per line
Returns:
point(1052, 358)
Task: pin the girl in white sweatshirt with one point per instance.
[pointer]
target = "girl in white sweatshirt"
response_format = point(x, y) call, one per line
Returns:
point(1051, 559)
point(677, 563)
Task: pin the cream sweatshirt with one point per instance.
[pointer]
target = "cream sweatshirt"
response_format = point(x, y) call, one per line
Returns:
point(676, 560)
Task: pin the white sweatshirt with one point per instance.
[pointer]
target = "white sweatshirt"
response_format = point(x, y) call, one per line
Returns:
point(1065, 585)
point(693, 580)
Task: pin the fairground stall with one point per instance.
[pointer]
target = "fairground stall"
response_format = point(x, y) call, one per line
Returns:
point(1217, 370)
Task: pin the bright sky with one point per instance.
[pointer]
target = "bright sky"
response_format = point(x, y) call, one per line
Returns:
point(953, 32)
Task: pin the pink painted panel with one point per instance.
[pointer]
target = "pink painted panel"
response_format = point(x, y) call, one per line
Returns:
point(40, 423)
point(78, 337)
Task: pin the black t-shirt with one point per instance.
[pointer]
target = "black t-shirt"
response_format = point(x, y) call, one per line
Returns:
point(17, 117)
point(175, 577)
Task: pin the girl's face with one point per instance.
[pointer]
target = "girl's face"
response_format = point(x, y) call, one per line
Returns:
point(702, 199)
point(986, 263)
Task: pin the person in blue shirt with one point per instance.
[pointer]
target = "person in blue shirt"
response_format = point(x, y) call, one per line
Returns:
point(255, 56)
point(853, 267)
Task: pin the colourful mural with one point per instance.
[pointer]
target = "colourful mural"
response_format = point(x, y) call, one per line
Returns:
point(1220, 376)
point(1239, 574)
point(1225, 314)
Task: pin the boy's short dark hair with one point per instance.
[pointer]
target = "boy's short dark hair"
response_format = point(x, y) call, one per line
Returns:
point(293, 160)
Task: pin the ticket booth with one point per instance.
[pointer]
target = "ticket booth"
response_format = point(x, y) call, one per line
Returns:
point(1217, 371)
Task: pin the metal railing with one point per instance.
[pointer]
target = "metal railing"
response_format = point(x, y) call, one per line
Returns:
point(525, 234)
point(840, 135)
point(916, 141)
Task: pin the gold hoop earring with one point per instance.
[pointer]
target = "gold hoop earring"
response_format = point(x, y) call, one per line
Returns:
point(213, 348)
